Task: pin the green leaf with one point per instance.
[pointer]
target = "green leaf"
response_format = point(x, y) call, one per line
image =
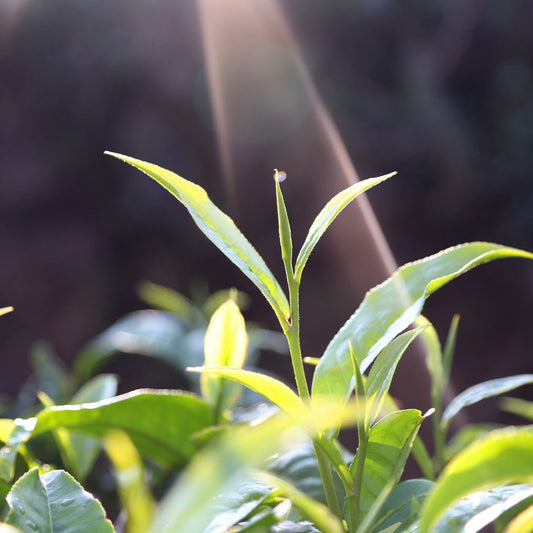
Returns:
point(219, 229)
point(518, 407)
point(272, 389)
point(318, 513)
point(403, 504)
point(160, 423)
point(169, 300)
point(20, 433)
point(504, 456)
point(380, 375)
point(328, 214)
point(54, 503)
point(481, 509)
point(391, 307)
point(522, 523)
point(219, 469)
point(128, 469)
point(389, 445)
point(226, 344)
point(285, 237)
point(151, 333)
point(80, 451)
point(479, 392)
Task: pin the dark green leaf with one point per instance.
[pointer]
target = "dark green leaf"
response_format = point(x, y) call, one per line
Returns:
point(403, 504)
point(54, 503)
point(160, 423)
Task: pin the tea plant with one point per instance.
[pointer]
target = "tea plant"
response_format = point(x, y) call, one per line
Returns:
point(285, 471)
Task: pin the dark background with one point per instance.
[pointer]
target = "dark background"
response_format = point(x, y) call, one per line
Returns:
point(442, 92)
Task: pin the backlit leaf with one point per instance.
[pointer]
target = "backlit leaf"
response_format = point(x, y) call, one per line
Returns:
point(328, 215)
point(219, 229)
point(504, 456)
point(391, 307)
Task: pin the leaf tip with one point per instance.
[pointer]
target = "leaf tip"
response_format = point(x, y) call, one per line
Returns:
point(279, 175)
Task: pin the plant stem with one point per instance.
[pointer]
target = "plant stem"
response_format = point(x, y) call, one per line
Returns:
point(292, 332)
point(439, 433)
point(360, 457)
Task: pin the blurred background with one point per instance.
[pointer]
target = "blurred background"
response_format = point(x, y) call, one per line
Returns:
point(224, 92)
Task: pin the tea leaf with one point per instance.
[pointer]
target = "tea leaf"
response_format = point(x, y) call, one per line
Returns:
point(504, 456)
point(389, 445)
point(318, 513)
point(219, 229)
point(380, 376)
point(54, 502)
point(392, 306)
point(80, 451)
point(128, 469)
point(328, 215)
point(226, 344)
point(479, 392)
point(272, 389)
point(151, 333)
point(165, 438)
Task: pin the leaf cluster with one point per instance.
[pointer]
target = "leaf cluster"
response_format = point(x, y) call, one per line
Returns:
point(217, 460)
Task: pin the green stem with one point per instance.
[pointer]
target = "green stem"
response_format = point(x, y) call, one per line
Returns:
point(357, 474)
point(439, 432)
point(292, 332)
point(327, 480)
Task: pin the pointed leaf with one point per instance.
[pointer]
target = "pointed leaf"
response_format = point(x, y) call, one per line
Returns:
point(151, 333)
point(502, 457)
point(389, 445)
point(487, 389)
point(392, 306)
point(214, 474)
point(226, 344)
point(403, 504)
point(328, 215)
point(518, 407)
point(54, 503)
point(380, 376)
point(160, 423)
point(133, 490)
point(219, 229)
point(318, 513)
point(272, 389)
point(80, 451)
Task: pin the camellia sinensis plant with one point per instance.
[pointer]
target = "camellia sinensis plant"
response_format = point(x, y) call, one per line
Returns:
point(255, 471)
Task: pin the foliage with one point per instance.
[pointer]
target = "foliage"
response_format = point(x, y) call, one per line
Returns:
point(200, 461)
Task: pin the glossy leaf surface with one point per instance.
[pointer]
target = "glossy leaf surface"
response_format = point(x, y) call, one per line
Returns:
point(382, 371)
point(502, 457)
point(219, 229)
point(80, 451)
point(389, 444)
point(392, 306)
point(328, 214)
point(160, 423)
point(226, 344)
point(54, 502)
point(487, 389)
point(272, 389)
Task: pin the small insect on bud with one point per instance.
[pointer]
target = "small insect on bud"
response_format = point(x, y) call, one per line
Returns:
point(279, 175)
